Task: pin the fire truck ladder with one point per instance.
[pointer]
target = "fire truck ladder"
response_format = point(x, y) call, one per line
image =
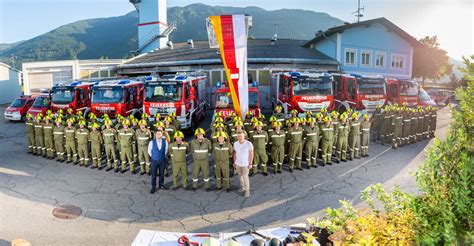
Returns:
point(154, 37)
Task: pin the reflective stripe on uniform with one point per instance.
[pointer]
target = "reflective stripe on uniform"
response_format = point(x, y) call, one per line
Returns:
point(201, 151)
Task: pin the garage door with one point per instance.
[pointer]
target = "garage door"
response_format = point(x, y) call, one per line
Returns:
point(40, 81)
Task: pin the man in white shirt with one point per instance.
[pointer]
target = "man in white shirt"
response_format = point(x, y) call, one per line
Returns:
point(243, 157)
point(157, 149)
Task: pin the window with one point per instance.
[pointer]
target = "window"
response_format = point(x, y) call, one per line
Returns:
point(264, 77)
point(380, 60)
point(398, 61)
point(350, 57)
point(365, 58)
point(216, 77)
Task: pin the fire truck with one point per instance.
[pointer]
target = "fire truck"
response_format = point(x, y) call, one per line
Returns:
point(183, 94)
point(75, 95)
point(400, 91)
point(223, 100)
point(113, 97)
point(308, 91)
point(359, 92)
point(41, 104)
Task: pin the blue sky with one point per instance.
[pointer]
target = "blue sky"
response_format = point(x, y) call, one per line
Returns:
point(451, 20)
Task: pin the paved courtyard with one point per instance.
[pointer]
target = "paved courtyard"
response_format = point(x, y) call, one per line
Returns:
point(116, 206)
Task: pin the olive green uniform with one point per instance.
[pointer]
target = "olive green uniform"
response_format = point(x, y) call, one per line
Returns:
point(259, 140)
point(233, 135)
point(406, 128)
point(280, 117)
point(39, 139)
point(201, 152)
point(134, 148)
point(414, 127)
point(109, 135)
point(354, 139)
point(30, 132)
point(82, 136)
point(419, 131)
point(311, 135)
point(58, 132)
point(143, 138)
point(70, 136)
point(48, 139)
point(376, 123)
point(335, 125)
point(126, 139)
point(426, 125)
point(434, 116)
point(222, 153)
point(343, 135)
point(397, 123)
point(385, 126)
point(365, 137)
point(295, 139)
point(277, 142)
point(327, 135)
point(96, 147)
point(178, 153)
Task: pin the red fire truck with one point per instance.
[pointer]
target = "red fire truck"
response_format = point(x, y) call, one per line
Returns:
point(359, 92)
point(184, 94)
point(306, 91)
point(75, 95)
point(115, 97)
point(400, 91)
point(41, 104)
point(223, 100)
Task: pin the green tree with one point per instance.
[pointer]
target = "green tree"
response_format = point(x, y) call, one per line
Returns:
point(429, 60)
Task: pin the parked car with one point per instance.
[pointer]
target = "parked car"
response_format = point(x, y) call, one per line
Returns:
point(441, 97)
point(18, 108)
point(424, 99)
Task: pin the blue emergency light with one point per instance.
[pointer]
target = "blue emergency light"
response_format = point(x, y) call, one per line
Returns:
point(148, 78)
point(218, 84)
point(356, 75)
point(181, 77)
point(254, 84)
point(124, 82)
point(295, 73)
point(75, 83)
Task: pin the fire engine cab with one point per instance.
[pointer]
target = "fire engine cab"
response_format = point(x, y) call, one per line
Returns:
point(359, 92)
point(75, 95)
point(41, 104)
point(223, 100)
point(306, 91)
point(182, 93)
point(115, 97)
point(400, 91)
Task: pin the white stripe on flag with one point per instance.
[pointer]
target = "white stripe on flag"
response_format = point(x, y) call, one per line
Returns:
point(240, 43)
point(234, 76)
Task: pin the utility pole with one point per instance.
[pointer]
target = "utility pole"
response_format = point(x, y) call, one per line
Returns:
point(359, 9)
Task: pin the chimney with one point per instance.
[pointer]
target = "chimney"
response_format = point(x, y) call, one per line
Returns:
point(191, 43)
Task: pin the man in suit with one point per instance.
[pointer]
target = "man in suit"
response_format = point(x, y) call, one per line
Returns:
point(157, 149)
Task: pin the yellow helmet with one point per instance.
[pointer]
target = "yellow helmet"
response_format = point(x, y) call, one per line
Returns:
point(296, 120)
point(218, 114)
point(49, 112)
point(278, 107)
point(221, 134)
point(309, 113)
point(178, 134)
point(237, 118)
point(326, 119)
point(294, 111)
point(386, 108)
point(168, 119)
point(288, 122)
point(220, 125)
point(199, 131)
point(82, 122)
point(253, 120)
point(276, 123)
point(258, 123)
point(92, 116)
point(157, 117)
point(47, 118)
point(107, 122)
point(95, 125)
point(58, 120)
point(134, 121)
point(302, 119)
point(354, 115)
point(173, 114)
point(38, 117)
point(144, 116)
point(79, 113)
point(324, 110)
point(105, 116)
point(238, 123)
point(159, 124)
point(343, 116)
point(334, 114)
point(261, 117)
point(311, 120)
point(29, 116)
point(249, 113)
point(319, 115)
point(60, 111)
point(125, 122)
point(142, 122)
point(131, 117)
point(272, 119)
point(219, 119)
point(366, 116)
point(433, 109)
point(70, 121)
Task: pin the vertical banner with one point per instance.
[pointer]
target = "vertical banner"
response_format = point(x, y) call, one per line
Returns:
point(231, 35)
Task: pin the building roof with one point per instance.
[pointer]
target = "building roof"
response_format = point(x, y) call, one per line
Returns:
point(259, 51)
point(388, 24)
point(9, 67)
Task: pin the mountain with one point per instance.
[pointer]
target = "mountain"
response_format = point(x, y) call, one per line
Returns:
point(115, 37)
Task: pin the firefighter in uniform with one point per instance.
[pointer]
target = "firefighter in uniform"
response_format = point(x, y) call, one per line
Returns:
point(365, 137)
point(30, 132)
point(96, 146)
point(277, 142)
point(385, 123)
point(414, 125)
point(421, 119)
point(311, 136)
point(222, 152)
point(406, 126)
point(58, 132)
point(109, 136)
point(143, 136)
point(434, 116)
point(218, 128)
point(278, 114)
point(239, 126)
point(327, 134)
point(335, 125)
point(343, 135)
point(376, 120)
point(427, 122)
point(397, 123)
point(126, 137)
point(354, 137)
point(39, 136)
point(259, 139)
point(82, 136)
point(295, 139)
point(70, 136)
point(178, 152)
point(169, 128)
point(201, 148)
point(176, 122)
point(134, 127)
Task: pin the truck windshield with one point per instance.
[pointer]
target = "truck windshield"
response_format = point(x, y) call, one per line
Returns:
point(312, 86)
point(41, 102)
point(224, 100)
point(18, 103)
point(371, 88)
point(63, 95)
point(163, 93)
point(107, 94)
point(409, 89)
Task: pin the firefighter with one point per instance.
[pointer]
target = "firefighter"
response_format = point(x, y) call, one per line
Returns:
point(218, 128)
point(126, 137)
point(376, 120)
point(222, 152)
point(295, 139)
point(169, 128)
point(48, 137)
point(251, 128)
point(96, 146)
point(365, 136)
point(327, 135)
point(311, 136)
point(421, 119)
point(354, 136)
point(58, 133)
point(157, 117)
point(335, 125)
point(397, 123)
point(303, 123)
point(247, 121)
point(414, 125)
point(176, 122)
point(70, 136)
point(30, 132)
point(342, 135)
point(179, 149)
point(202, 148)
point(60, 113)
point(143, 136)
point(427, 122)
point(259, 139)
point(161, 127)
point(385, 123)
point(434, 116)
point(278, 114)
point(82, 136)
point(239, 126)
point(39, 136)
point(109, 135)
point(69, 114)
point(92, 120)
point(406, 126)
point(134, 128)
point(277, 143)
